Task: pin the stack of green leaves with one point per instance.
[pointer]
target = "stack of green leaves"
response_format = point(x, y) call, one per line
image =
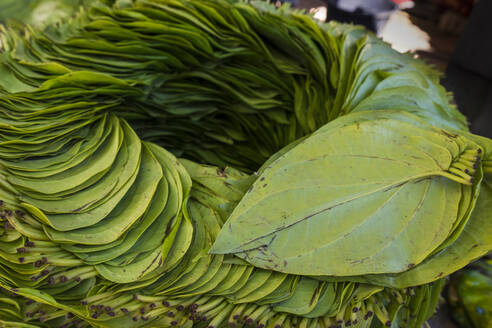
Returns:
point(370, 190)
point(232, 83)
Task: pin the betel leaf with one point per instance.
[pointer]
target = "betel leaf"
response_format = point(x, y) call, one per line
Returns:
point(472, 243)
point(371, 196)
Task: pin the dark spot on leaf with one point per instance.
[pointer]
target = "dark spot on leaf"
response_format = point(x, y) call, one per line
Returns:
point(169, 225)
point(314, 294)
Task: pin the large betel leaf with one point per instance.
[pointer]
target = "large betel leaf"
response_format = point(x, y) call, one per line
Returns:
point(473, 242)
point(368, 196)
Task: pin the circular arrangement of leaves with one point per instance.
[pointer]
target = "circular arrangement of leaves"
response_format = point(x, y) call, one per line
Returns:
point(213, 163)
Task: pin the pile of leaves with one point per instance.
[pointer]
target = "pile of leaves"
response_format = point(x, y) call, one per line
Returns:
point(212, 163)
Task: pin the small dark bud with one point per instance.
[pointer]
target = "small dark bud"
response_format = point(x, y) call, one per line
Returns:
point(388, 323)
point(194, 306)
point(236, 317)
point(93, 307)
point(355, 309)
point(38, 263)
point(369, 314)
point(107, 308)
point(124, 310)
point(78, 279)
point(45, 272)
point(29, 244)
point(166, 303)
point(111, 313)
point(51, 281)
point(479, 151)
point(44, 260)
point(19, 213)
point(9, 212)
point(144, 318)
point(100, 307)
point(21, 260)
point(142, 310)
point(135, 318)
point(34, 278)
point(170, 314)
point(354, 322)
point(70, 315)
point(63, 279)
point(174, 323)
point(348, 323)
point(180, 308)
point(152, 305)
point(83, 302)
point(21, 250)
point(249, 321)
point(29, 302)
point(94, 315)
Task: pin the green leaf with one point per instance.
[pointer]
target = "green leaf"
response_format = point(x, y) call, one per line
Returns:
point(348, 199)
